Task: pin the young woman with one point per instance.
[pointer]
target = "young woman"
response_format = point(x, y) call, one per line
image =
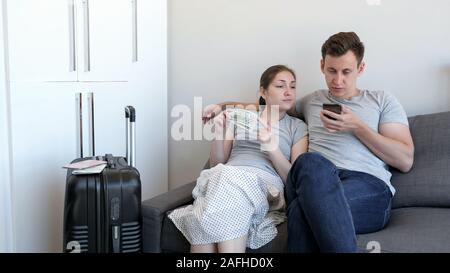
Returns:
point(237, 199)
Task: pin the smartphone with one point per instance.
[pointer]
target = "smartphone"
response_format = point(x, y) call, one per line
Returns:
point(332, 107)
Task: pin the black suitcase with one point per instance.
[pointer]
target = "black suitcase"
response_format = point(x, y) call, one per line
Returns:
point(102, 212)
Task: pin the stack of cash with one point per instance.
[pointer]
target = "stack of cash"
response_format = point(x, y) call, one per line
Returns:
point(244, 119)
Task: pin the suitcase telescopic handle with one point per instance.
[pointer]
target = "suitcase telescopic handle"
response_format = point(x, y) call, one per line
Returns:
point(130, 127)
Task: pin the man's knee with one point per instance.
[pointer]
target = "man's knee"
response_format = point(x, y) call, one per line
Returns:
point(311, 161)
point(309, 164)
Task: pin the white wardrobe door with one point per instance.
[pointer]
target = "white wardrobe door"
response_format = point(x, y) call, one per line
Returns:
point(41, 40)
point(43, 139)
point(106, 38)
point(6, 231)
point(6, 228)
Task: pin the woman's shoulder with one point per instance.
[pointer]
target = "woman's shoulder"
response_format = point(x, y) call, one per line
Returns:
point(294, 121)
point(295, 124)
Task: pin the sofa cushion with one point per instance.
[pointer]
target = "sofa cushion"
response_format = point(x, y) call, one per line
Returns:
point(413, 230)
point(428, 182)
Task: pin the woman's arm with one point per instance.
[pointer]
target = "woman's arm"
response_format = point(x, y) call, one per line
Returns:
point(299, 148)
point(222, 144)
point(281, 164)
point(220, 152)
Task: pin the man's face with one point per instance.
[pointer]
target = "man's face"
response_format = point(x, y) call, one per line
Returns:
point(341, 74)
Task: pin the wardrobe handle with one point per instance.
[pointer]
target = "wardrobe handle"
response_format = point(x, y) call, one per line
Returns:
point(72, 62)
point(87, 55)
point(91, 123)
point(134, 30)
point(79, 122)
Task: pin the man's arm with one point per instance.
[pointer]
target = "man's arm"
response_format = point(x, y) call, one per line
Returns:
point(393, 144)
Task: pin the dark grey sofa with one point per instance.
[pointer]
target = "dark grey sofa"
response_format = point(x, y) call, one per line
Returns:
point(420, 218)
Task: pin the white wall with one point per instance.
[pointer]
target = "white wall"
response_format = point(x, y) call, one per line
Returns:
point(6, 230)
point(219, 48)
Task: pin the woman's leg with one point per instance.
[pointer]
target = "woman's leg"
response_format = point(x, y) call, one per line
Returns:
point(207, 248)
point(237, 245)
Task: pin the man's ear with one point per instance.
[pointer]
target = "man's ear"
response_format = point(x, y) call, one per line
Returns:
point(322, 65)
point(361, 68)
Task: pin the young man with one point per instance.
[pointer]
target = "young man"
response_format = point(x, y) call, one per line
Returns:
point(341, 187)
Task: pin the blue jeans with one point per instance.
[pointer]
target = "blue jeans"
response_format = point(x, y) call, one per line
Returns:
point(328, 206)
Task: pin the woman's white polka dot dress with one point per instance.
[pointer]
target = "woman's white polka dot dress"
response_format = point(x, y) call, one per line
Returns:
point(231, 201)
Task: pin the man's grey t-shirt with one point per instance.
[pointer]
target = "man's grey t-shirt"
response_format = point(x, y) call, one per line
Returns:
point(247, 149)
point(344, 149)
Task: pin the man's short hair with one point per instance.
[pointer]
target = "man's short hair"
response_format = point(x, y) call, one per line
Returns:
point(340, 43)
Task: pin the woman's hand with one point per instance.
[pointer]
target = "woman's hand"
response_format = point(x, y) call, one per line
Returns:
point(210, 111)
point(269, 142)
point(264, 132)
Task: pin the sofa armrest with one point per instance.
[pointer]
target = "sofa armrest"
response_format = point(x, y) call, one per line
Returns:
point(154, 210)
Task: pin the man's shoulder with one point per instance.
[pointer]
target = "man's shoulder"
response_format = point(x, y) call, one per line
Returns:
point(391, 110)
point(379, 94)
point(321, 93)
point(380, 97)
point(303, 104)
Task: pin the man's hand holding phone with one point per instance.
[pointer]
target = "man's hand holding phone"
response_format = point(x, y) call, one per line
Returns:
point(331, 107)
point(339, 118)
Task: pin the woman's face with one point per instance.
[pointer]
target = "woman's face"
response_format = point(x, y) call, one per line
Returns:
point(281, 91)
